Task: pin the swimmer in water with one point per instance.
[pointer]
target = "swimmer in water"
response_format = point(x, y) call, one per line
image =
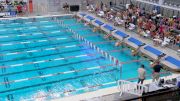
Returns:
point(134, 52)
point(107, 36)
point(86, 23)
point(118, 43)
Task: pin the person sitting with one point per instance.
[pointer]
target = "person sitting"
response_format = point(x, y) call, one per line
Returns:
point(118, 21)
point(101, 14)
point(91, 9)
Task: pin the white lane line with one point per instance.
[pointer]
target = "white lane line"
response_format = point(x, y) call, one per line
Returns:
point(80, 56)
point(42, 40)
point(3, 30)
point(49, 75)
point(59, 59)
point(68, 72)
point(14, 24)
point(31, 51)
point(32, 28)
point(16, 65)
point(8, 44)
point(93, 68)
point(39, 62)
point(21, 35)
point(61, 38)
point(50, 48)
point(55, 31)
point(70, 46)
point(26, 79)
point(4, 36)
point(48, 26)
point(18, 29)
point(44, 21)
point(25, 42)
point(12, 53)
point(36, 33)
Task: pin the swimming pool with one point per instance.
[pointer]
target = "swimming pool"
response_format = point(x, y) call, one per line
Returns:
point(41, 59)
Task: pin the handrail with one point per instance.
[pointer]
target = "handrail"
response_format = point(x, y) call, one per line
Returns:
point(131, 88)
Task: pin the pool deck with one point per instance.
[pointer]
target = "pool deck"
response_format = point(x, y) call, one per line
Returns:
point(107, 94)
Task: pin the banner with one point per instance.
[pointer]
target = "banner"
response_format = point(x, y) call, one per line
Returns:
point(30, 6)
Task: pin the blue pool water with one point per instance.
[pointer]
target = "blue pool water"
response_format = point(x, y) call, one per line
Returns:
point(41, 59)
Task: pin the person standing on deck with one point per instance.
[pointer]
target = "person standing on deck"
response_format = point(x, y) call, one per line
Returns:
point(142, 74)
point(156, 71)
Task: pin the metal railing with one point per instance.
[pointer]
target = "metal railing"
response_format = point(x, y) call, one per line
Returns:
point(131, 88)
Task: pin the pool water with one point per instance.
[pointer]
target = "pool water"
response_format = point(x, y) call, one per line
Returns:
point(40, 60)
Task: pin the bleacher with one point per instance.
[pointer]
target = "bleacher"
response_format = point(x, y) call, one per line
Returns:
point(175, 3)
point(119, 7)
point(152, 4)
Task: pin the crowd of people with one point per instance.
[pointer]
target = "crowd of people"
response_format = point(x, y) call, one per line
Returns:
point(163, 31)
point(19, 7)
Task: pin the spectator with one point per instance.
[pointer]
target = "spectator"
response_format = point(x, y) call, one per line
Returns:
point(19, 8)
point(102, 5)
point(66, 7)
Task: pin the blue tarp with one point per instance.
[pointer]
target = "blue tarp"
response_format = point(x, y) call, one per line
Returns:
point(90, 17)
point(123, 35)
point(135, 41)
point(110, 28)
point(173, 61)
point(153, 50)
point(99, 22)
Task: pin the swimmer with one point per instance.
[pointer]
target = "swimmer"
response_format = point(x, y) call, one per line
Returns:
point(79, 20)
point(86, 24)
point(107, 36)
point(151, 64)
point(95, 29)
point(134, 52)
point(118, 43)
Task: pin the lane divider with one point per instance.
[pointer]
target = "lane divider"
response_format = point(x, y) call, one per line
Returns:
point(31, 34)
point(23, 23)
point(105, 54)
point(50, 60)
point(14, 43)
point(56, 74)
point(39, 33)
point(65, 92)
point(49, 49)
point(93, 46)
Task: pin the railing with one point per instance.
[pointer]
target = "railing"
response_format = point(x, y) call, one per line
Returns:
point(131, 88)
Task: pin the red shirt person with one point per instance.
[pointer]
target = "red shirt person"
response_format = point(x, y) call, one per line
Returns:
point(19, 9)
